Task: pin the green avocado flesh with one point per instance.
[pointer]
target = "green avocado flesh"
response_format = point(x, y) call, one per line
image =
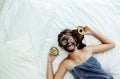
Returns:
point(55, 51)
point(80, 30)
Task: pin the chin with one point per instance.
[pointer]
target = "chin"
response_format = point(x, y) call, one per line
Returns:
point(72, 50)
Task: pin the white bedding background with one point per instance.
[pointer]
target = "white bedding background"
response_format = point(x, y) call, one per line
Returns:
point(28, 28)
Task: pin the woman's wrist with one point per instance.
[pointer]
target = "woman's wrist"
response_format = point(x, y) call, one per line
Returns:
point(93, 33)
point(50, 61)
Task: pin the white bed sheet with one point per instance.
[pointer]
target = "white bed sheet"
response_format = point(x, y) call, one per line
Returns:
point(42, 20)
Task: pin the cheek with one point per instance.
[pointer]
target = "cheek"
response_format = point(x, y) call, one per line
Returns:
point(73, 42)
point(64, 44)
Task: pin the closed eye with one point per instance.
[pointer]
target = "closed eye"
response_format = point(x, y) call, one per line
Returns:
point(70, 39)
point(64, 42)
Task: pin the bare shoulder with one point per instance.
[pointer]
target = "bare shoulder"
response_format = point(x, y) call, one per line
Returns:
point(65, 62)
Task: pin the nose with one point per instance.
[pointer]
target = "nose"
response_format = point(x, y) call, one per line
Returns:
point(69, 43)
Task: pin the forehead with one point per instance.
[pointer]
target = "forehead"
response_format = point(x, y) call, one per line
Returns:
point(65, 37)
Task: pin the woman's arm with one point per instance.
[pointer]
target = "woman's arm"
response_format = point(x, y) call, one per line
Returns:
point(107, 44)
point(61, 69)
point(50, 74)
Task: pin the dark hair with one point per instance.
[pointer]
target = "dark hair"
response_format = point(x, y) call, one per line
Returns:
point(77, 37)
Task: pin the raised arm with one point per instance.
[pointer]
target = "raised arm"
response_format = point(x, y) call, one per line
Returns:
point(107, 44)
point(61, 69)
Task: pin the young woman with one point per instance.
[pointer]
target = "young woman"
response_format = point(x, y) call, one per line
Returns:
point(80, 61)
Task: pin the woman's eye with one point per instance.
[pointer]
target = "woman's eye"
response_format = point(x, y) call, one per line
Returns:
point(70, 39)
point(64, 42)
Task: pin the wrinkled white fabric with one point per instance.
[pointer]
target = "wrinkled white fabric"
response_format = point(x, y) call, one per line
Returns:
point(42, 20)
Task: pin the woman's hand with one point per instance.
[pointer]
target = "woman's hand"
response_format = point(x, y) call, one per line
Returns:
point(51, 57)
point(88, 30)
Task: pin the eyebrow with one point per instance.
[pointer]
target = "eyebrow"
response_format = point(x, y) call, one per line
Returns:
point(63, 37)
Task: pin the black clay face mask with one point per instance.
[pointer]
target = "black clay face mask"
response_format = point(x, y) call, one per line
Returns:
point(68, 41)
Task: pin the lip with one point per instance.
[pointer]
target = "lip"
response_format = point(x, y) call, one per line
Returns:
point(70, 47)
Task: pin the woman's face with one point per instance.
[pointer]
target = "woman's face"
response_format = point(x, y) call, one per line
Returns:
point(68, 43)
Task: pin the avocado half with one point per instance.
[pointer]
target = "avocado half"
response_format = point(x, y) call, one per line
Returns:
point(55, 51)
point(80, 30)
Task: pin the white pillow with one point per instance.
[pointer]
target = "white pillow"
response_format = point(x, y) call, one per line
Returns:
point(18, 60)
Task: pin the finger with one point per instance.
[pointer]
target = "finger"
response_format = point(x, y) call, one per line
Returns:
point(84, 27)
point(51, 48)
point(50, 54)
point(85, 33)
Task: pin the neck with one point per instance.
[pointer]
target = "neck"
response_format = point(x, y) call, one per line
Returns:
point(73, 54)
